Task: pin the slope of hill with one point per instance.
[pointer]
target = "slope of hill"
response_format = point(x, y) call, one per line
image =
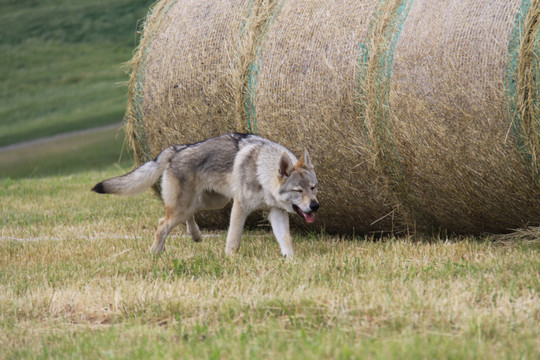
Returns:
point(61, 64)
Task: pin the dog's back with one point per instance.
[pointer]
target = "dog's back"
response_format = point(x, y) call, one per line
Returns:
point(208, 163)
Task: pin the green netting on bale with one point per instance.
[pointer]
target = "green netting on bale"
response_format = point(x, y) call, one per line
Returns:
point(375, 61)
point(305, 98)
point(522, 84)
point(251, 88)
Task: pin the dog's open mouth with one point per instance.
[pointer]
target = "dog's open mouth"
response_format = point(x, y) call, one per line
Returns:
point(308, 216)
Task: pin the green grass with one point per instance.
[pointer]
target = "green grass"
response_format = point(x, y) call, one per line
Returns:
point(95, 150)
point(61, 64)
point(77, 281)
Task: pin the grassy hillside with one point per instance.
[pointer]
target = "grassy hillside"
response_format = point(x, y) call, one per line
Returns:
point(61, 64)
point(77, 282)
point(66, 155)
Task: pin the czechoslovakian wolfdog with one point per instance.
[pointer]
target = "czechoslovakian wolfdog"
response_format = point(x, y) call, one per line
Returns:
point(255, 172)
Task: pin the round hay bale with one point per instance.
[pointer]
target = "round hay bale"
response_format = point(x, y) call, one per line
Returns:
point(416, 114)
point(454, 108)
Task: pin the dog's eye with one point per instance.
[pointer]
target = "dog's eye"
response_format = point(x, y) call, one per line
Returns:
point(297, 190)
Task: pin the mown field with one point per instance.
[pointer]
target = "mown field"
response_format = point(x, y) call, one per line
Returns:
point(61, 67)
point(77, 281)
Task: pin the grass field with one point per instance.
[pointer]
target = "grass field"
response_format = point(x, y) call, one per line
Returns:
point(77, 281)
point(61, 64)
point(97, 149)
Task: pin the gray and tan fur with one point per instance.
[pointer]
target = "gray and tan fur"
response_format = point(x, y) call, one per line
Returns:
point(255, 172)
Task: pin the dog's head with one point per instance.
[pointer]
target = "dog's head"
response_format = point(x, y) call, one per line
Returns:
point(298, 186)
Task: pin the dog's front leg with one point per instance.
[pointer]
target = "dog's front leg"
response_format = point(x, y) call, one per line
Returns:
point(238, 219)
point(280, 225)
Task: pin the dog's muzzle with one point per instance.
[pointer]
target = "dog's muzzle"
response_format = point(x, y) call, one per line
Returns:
point(308, 216)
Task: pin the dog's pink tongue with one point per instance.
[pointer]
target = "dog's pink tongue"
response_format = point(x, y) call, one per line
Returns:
point(309, 217)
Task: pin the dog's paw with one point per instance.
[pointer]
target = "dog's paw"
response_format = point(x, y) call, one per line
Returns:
point(288, 255)
point(157, 250)
point(231, 251)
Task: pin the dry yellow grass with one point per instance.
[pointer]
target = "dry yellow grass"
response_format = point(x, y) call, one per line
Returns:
point(77, 280)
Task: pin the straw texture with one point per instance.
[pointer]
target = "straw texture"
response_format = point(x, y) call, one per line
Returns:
point(417, 114)
point(459, 166)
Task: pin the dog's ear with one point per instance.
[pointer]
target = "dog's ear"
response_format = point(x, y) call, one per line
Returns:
point(305, 161)
point(286, 166)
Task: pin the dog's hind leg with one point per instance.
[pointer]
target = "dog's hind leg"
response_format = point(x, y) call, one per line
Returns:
point(193, 229)
point(238, 219)
point(208, 200)
point(173, 217)
point(177, 209)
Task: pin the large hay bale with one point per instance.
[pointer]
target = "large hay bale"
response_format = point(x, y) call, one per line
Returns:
point(455, 112)
point(416, 114)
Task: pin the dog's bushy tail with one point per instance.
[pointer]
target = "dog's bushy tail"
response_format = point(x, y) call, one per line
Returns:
point(139, 179)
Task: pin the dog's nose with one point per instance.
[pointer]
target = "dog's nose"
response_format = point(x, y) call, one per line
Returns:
point(313, 205)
